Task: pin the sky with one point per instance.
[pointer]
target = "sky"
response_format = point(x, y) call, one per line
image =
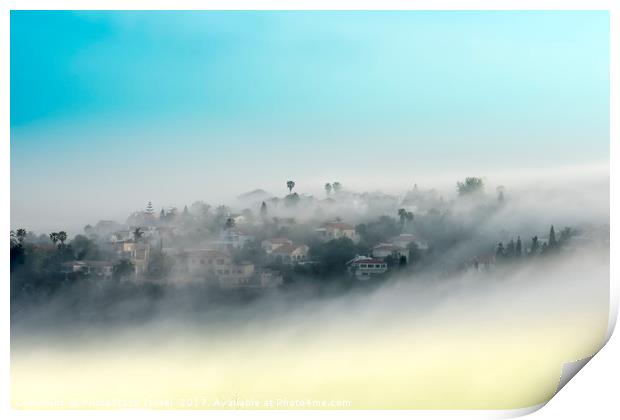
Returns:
point(112, 109)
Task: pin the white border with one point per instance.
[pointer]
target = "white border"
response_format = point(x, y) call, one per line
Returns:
point(590, 384)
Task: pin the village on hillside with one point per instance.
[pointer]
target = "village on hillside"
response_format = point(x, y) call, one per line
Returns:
point(271, 241)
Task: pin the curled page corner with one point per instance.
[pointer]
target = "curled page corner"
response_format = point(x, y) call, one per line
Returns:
point(569, 370)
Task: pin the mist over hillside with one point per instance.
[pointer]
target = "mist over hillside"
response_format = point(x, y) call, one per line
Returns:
point(494, 232)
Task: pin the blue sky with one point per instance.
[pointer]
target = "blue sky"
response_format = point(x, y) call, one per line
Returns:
point(111, 109)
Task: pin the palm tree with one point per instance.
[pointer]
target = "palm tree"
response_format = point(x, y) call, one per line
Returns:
point(62, 237)
point(137, 234)
point(54, 237)
point(21, 235)
point(328, 188)
point(290, 185)
point(402, 214)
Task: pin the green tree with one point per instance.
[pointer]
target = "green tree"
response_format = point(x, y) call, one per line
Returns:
point(21, 235)
point(552, 241)
point(471, 185)
point(518, 247)
point(402, 214)
point(290, 185)
point(123, 269)
point(84, 248)
point(337, 186)
point(17, 254)
point(54, 237)
point(62, 237)
point(328, 188)
point(332, 256)
point(263, 210)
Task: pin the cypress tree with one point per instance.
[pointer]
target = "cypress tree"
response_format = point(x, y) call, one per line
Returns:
point(500, 252)
point(552, 241)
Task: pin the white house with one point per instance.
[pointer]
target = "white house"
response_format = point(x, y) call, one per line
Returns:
point(269, 278)
point(102, 269)
point(199, 262)
point(237, 275)
point(363, 267)
point(300, 253)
